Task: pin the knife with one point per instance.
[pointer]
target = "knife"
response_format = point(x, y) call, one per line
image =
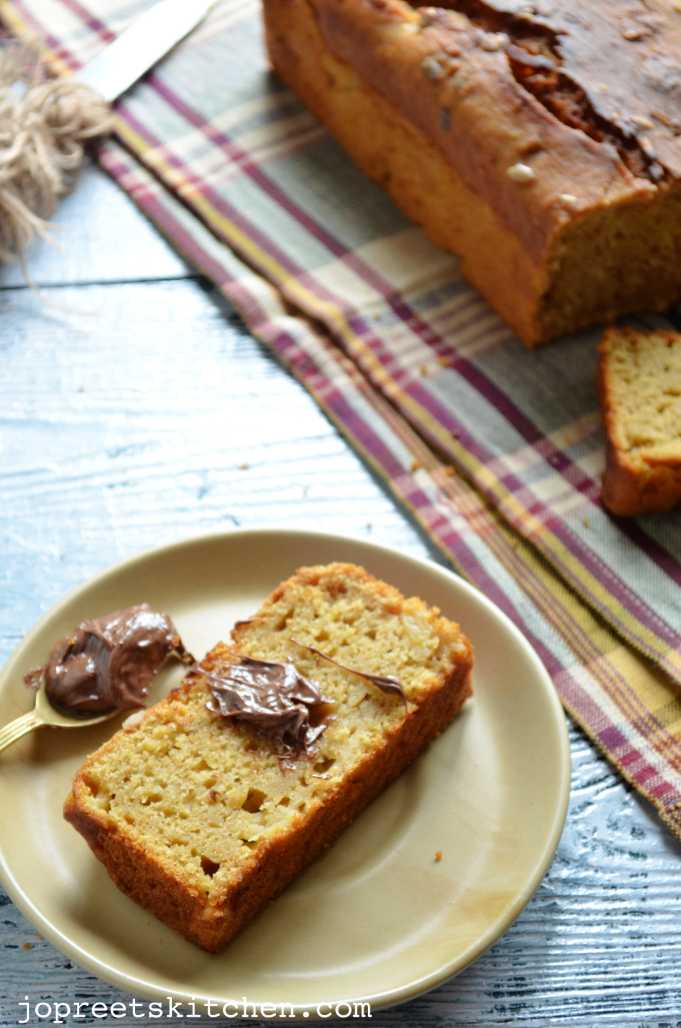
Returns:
point(42, 167)
point(141, 46)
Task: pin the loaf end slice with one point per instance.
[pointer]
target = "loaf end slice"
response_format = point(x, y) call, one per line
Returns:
point(199, 819)
point(640, 386)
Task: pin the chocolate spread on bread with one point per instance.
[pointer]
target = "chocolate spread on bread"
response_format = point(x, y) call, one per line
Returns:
point(386, 683)
point(109, 662)
point(275, 698)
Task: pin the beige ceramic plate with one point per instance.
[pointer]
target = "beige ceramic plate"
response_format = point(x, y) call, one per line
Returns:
point(377, 918)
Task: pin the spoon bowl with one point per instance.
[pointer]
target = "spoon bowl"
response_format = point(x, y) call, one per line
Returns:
point(44, 713)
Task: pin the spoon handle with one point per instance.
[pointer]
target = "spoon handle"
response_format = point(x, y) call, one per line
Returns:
point(20, 726)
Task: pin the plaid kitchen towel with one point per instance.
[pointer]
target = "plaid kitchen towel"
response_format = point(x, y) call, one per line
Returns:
point(496, 450)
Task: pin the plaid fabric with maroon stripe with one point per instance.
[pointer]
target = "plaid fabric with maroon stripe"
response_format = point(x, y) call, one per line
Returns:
point(495, 450)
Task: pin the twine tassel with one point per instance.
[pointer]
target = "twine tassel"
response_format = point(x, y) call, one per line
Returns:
point(44, 127)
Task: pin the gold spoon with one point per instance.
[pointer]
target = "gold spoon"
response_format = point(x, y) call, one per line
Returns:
point(44, 713)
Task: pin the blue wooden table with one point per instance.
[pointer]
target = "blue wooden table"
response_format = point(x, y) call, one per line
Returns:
point(136, 410)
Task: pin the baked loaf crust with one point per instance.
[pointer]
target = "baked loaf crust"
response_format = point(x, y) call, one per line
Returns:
point(540, 142)
point(640, 385)
point(199, 819)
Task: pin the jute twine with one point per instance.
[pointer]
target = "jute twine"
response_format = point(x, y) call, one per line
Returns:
point(44, 126)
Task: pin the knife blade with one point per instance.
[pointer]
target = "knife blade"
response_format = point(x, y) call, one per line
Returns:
point(31, 188)
point(140, 46)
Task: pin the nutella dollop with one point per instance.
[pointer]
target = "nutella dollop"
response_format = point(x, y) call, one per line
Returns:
point(275, 698)
point(108, 663)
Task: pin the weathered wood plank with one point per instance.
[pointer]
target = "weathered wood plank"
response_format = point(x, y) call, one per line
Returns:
point(138, 414)
point(99, 236)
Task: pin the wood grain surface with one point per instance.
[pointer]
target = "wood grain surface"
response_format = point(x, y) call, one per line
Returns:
point(135, 410)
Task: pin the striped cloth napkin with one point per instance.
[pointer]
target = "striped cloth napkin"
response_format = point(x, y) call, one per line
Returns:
point(496, 451)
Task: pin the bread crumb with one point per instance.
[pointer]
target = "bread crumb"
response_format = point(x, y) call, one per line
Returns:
point(244, 467)
point(27, 945)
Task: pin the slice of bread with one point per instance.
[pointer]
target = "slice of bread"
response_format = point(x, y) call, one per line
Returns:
point(200, 819)
point(640, 385)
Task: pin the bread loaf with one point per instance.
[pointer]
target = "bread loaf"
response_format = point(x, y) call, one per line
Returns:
point(541, 142)
point(202, 818)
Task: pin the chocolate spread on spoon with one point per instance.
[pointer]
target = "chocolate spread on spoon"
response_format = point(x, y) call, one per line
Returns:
point(108, 663)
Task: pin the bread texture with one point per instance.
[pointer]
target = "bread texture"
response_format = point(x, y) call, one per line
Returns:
point(198, 817)
point(640, 386)
point(540, 143)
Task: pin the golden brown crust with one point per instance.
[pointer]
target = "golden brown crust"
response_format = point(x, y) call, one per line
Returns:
point(132, 869)
point(212, 920)
point(185, 909)
point(476, 113)
point(428, 104)
point(607, 67)
point(397, 155)
point(630, 488)
point(629, 493)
